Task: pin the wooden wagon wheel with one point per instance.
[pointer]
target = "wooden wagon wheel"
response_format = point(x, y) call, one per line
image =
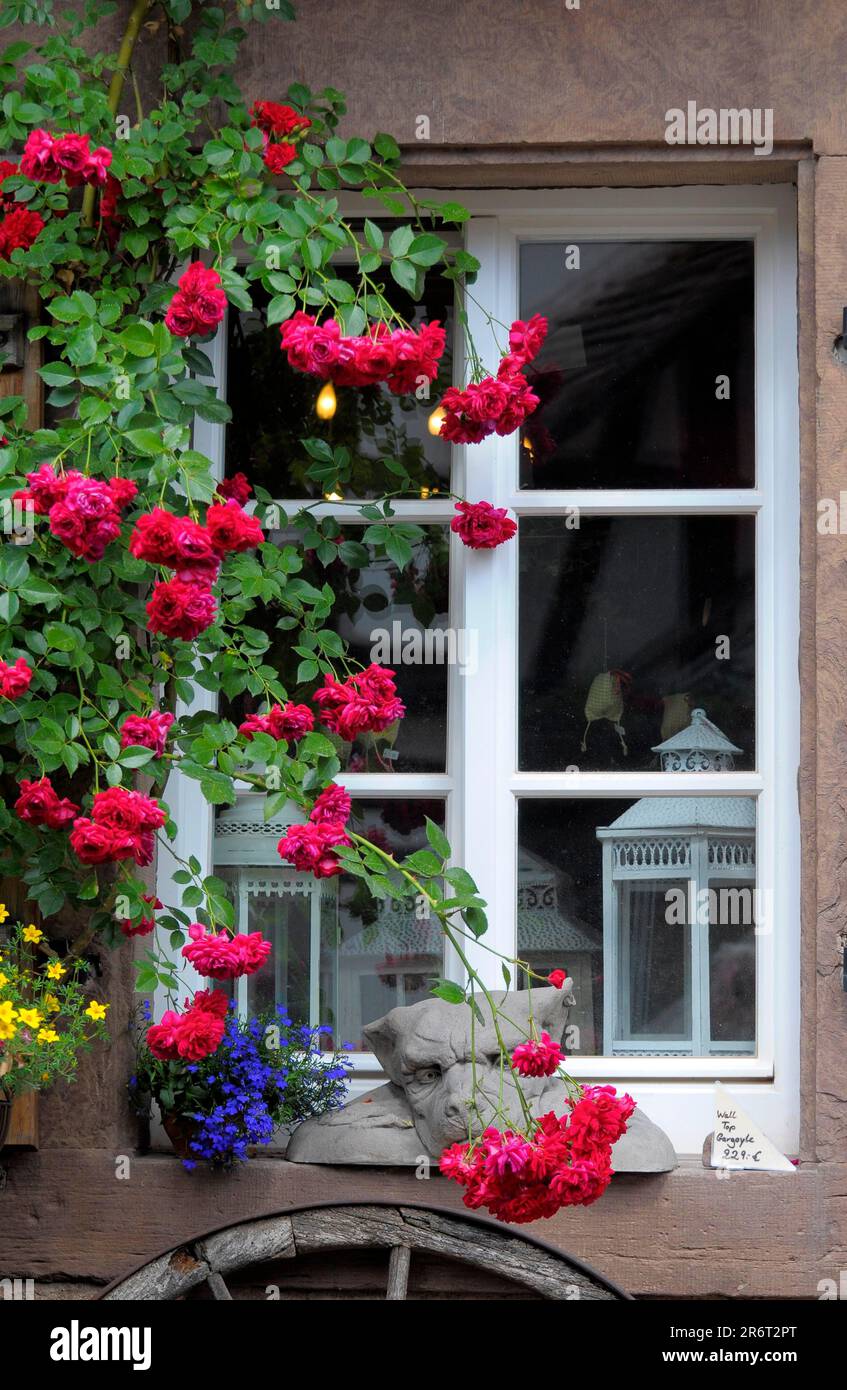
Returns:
point(201, 1267)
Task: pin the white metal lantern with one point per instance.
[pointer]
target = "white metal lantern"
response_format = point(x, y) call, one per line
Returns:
point(699, 748)
point(245, 854)
point(679, 913)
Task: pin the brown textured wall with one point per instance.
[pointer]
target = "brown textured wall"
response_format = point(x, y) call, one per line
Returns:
point(534, 71)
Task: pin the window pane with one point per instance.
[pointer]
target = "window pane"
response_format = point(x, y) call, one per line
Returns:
point(655, 965)
point(650, 906)
point(627, 626)
point(273, 408)
point(733, 915)
point(340, 957)
point(646, 378)
point(390, 616)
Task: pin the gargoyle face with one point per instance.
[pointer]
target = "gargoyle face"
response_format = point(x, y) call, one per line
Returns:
point(426, 1049)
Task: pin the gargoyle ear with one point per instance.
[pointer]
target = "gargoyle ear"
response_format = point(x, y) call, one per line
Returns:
point(381, 1038)
point(550, 1007)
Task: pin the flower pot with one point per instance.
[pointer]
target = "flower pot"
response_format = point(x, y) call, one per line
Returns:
point(180, 1131)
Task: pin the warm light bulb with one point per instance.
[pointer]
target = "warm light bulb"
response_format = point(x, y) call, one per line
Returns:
point(424, 493)
point(436, 420)
point(334, 496)
point(327, 403)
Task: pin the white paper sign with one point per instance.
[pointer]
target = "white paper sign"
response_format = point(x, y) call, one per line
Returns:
point(738, 1141)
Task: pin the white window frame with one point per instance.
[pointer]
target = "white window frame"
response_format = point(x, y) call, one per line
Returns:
point(482, 784)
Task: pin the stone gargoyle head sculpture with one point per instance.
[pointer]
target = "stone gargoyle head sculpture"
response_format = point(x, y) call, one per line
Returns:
point(425, 1050)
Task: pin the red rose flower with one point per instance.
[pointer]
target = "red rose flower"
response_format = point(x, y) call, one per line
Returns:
point(310, 847)
point(223, 957)
point(38, 160)
point(147, 731)
point(481, 526)
point(121, 826)
point(199, 303)
point(332, 804)
point(123, 491)
point(537, 1056)
point(71, 153)
point(364, 703)
point(563, 1162)
point(45, 488)
point(230, 527)
point(15, 680)
point(179, 609)
point(39, 804)
point(127, 810)
point(276, 119)
point(192, 1035)
point(18, 230)
point(493, 405)
point(153, 537)
point(557, 978)
point(278, 157)
point(526, 338)
point(401, 357)
point(289, 722)
point(100, 844)
point(237, 487)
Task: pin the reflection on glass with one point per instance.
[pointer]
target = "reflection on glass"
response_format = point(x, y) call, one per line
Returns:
point(651, 907)
point(274, 408)
point(627, 626)
point(397, 618)
point(646, 378)
point(340, 958)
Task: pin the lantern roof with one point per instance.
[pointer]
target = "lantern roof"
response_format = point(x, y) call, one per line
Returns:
point(701, 735)
point(692, 813)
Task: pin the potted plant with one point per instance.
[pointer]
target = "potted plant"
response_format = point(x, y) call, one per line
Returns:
point(264, 1072)
point(47, 1017)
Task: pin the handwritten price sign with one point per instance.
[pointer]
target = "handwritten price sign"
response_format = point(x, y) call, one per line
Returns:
point(739, 1143)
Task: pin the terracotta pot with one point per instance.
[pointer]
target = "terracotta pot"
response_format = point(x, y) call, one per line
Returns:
point(180, 1131)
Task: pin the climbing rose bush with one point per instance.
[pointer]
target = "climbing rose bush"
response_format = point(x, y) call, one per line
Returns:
point(132, 588)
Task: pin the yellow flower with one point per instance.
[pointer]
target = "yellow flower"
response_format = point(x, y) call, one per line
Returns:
point(48, 1035)
point(96, 1011)
point(32, 933)
point(4, 980)
point(31, 1017)
point(4, 912)
point(45, 1076)
point(51, 1003)
point(7, 1013)
point(55, 970)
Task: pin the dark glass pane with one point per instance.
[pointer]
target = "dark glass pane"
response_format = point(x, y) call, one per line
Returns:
point(733, 915)
point(627, 625)
point(384, 615)
point(617, 893)
point(642, 334)
point(273, 409)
